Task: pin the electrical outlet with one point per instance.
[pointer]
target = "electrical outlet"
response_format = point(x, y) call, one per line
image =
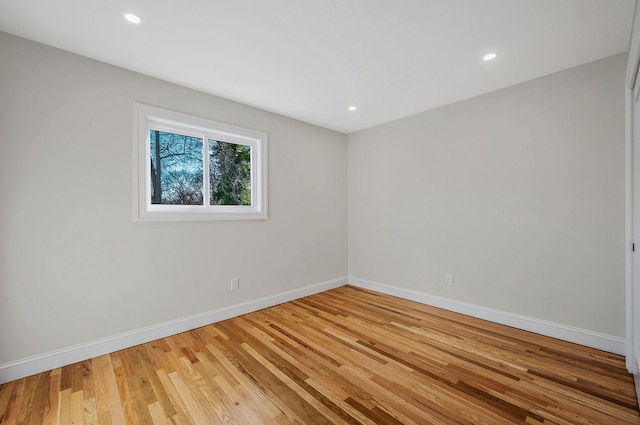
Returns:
point(235, 284)
point(448, 279)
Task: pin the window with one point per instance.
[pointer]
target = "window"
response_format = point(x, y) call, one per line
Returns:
point(191, 168)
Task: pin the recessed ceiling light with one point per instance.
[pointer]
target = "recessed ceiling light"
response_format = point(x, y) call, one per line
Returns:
point(489, 56)
point(352, 108)
point(132, 17)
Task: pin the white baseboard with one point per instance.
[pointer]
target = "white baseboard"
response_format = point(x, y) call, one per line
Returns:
point(58, 358)
point(609, 343)
point(633, 360)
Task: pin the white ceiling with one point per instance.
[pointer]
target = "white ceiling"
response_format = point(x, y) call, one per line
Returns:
point(311, 59)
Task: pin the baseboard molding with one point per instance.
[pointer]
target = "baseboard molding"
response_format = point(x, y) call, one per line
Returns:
point(633, 361)
point(58, 358)
point(609, 343)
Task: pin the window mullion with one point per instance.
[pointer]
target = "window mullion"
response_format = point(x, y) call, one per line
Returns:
point(205, 172)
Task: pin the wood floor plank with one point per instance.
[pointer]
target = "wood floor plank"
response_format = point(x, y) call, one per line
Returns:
point(10, 412)
point(50, 415)
point(181, 415)
point(64, 406)
point(77, 408)
point(344, 356)
point(253, 399)
point(108, 402)
point(158, 414)
point(90, 412)
point(122, 371)
point(198, 413)
point(6, 394)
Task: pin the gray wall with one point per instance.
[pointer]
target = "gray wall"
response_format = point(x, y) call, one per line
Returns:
point(75, 267)
point(518, 193)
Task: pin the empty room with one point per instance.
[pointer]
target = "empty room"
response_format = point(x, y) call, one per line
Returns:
point(319, 212)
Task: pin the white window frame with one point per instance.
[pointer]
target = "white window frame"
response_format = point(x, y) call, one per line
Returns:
point(148, 117)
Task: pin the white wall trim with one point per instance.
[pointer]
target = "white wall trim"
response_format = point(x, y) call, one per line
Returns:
point(585, 337)
point(631, 281)
point(58, 358)
point(65, 356)
point(628, 257)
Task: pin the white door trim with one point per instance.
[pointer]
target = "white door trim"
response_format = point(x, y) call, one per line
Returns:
point(632, 171)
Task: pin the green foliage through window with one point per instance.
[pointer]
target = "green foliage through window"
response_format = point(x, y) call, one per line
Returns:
point(229, 173)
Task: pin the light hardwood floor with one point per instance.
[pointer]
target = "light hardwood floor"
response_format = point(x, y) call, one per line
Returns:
point(345, 356)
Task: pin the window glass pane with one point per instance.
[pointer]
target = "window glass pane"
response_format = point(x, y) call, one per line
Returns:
point(229, 173)
point(176, 169)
